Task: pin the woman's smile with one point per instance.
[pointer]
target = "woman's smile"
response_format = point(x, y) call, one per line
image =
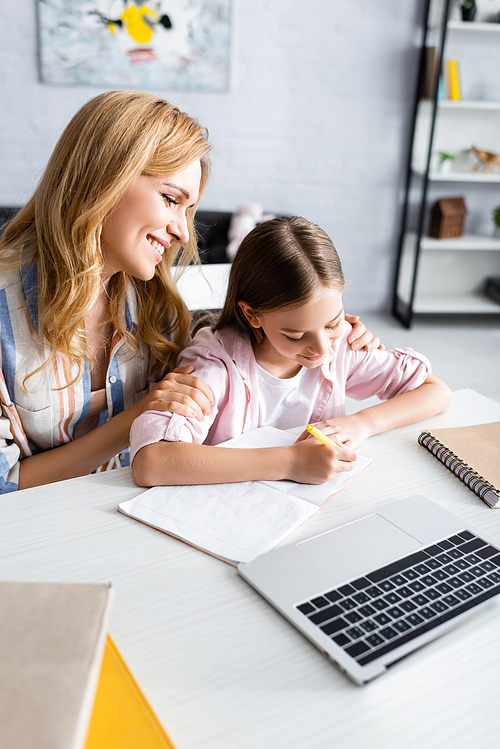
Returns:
point(157, 246)
point(153, 210)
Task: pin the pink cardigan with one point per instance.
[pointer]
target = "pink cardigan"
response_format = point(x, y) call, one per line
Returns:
point(225, 361)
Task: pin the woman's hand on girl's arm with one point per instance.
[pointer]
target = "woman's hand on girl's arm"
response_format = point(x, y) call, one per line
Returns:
point(360, 337)
point(179, 392)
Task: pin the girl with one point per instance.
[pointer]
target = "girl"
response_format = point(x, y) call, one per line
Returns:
point(278, 356)
point(88, 305)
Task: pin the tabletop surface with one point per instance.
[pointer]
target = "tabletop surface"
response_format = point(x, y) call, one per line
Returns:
point(221, 668)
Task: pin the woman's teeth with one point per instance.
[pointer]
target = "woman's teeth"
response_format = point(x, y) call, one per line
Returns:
point(159, 247)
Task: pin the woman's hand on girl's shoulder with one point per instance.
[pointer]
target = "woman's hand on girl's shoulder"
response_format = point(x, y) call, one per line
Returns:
point(181, 393)
point(360, 337)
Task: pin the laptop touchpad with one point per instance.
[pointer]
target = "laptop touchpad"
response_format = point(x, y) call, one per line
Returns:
point(358, 547)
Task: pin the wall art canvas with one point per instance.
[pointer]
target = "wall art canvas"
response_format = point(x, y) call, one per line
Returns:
point(169, 44)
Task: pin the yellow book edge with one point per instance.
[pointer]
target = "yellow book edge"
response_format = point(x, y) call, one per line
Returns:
point(122, 718)
point(455, 93)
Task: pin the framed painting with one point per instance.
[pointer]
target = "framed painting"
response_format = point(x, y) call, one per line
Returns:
point(169, 44)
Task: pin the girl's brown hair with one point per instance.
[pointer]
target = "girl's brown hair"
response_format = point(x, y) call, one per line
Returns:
point(280, 264)
point(112, 140)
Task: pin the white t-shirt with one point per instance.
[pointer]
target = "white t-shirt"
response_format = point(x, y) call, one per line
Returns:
point(287, 403)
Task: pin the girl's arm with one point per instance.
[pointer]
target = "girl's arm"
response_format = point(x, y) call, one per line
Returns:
point(177, 463)
point(179, 392)
point(432, 397)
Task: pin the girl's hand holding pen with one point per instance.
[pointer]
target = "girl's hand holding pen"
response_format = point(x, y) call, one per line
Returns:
point(315, 463)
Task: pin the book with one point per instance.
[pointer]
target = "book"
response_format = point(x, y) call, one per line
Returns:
point(441, 89)
point(429, 75)
point(472, 453)
point(51, 648)
point(122, 717)
point(452, 78)
point(236, 522)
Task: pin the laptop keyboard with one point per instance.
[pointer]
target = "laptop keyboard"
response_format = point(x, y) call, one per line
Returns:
point(377, 613)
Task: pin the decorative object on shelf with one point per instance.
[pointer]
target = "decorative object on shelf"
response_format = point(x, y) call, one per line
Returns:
point(445, 161)
point(469, 9)
point(447, 218)
point(492, 288)
point(485, 159)
point(496, 220)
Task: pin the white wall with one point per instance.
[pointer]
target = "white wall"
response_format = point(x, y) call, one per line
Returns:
point(316, 121)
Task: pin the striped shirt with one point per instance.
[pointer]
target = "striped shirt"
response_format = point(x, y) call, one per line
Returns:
point(42, 413)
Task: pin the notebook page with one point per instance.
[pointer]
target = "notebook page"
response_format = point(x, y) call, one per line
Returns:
point(313, 493)
point(235, 522)
point(316, 494)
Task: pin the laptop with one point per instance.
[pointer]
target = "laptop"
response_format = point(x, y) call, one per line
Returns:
point(371, 592)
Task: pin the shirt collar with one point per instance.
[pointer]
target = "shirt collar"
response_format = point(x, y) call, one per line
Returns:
point(130, 307)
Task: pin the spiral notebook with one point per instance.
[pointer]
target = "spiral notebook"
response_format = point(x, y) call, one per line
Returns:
point(473, 454)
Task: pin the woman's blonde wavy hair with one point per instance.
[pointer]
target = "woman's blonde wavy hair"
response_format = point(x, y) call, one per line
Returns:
point(112, 140)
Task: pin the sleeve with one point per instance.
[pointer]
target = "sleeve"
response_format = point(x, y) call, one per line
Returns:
point(385, 373)
point(153, 426)
point(9, 458)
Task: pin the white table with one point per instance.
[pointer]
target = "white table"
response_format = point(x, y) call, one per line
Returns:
point(220, 667)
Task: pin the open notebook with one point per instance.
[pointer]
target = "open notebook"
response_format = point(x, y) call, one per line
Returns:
point(237, 522)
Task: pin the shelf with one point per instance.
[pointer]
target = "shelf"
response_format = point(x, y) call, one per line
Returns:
point(473, 26)
point(492, 177)
point(468, 104)
point(467, 304)
point(467, 242)
point(448, 276)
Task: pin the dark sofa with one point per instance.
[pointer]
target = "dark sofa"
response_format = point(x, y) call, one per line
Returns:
point(212, 228)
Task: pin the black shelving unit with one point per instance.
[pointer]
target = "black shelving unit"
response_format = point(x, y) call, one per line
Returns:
point(422, 182)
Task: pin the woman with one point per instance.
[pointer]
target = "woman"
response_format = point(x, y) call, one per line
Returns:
point(90, 314)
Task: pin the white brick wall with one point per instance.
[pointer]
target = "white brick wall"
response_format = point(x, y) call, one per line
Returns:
point(316, 121)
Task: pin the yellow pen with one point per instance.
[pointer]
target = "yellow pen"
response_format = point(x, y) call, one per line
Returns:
point(320, 436)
